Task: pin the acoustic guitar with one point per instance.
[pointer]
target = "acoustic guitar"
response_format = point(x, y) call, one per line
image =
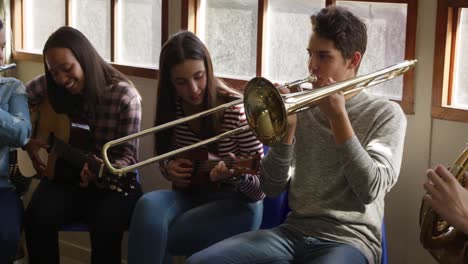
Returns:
point(69, 144)
point(204, 161)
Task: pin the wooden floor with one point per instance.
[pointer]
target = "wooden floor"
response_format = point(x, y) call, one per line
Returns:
point(66, 260)
point(63, 260)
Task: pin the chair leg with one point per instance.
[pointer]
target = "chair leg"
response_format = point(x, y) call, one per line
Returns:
point(178, 259)
point(21, 253)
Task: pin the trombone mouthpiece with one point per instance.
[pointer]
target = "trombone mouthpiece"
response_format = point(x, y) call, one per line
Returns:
point(312, 78)
point(7, 67)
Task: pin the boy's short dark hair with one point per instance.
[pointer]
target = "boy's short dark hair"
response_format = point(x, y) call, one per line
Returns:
point(348, 32)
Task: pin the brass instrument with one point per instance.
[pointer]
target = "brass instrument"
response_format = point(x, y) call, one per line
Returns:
point(266, 110)
point(445, 243)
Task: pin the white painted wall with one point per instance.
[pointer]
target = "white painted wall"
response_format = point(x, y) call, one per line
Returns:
point(428, 142)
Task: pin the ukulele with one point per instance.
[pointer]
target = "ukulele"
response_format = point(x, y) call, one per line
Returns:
point(69, 143)
point(203, 163)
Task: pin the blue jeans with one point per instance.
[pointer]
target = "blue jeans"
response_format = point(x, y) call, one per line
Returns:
point(10, 224)
point(167, 222)
point(277, 245)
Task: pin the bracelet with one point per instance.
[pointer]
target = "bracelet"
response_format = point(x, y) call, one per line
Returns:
point(165, 164)
point(236, 180)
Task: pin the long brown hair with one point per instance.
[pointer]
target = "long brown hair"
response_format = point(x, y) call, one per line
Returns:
point(98, 74)
point(182, 46)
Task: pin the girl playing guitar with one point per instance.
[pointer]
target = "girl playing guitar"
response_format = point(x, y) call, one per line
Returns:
point(182, 221)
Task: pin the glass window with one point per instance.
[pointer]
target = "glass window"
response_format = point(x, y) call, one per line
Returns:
point(386, 29)
point(38, 26)
point(229, 30)
point(92, 18)
point(139, 32)
point(288, 29)
point(460, 85)
point(449, 84)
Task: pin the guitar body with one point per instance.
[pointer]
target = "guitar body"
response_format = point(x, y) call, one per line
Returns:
point(45, 121)
point(70, 145)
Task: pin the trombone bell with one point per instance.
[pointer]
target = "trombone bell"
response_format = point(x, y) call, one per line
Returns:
point(265, 111)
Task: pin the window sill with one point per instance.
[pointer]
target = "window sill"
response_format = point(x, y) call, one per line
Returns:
point(128, 70)
point(451, 114)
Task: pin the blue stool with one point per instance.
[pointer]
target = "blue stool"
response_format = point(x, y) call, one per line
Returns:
point(275, 210)
point(384, 259)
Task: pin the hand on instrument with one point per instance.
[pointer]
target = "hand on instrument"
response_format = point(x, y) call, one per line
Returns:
point(447, 196)
point(87, 175)
point(33, 148)
point(221, 171)
point(333, 106)
point(179, 172)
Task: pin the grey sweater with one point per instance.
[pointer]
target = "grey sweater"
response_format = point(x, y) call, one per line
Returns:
point(336, 192)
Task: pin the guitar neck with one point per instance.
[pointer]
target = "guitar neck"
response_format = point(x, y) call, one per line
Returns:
point(207, 165)
point(75, 156)
point(244, 165)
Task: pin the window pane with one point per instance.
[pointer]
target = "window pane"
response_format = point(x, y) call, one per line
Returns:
point(229, 29)
point(460, 86)
point(92, 18)
point(287, 36)
point(38, 27)
point(139, 32)
point(386, 29)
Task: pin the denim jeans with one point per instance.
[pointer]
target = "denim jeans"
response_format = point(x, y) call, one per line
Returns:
point(10, 224)
point(167, 222)
point(107, 214)
point(277, 245)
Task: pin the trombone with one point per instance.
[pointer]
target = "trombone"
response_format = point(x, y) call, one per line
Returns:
point(266, 110)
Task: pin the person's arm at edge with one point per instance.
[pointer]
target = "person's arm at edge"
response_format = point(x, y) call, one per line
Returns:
point(15, 127)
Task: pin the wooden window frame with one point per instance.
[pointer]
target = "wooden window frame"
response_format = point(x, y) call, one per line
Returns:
point(189, 20)
point(444, 59)
point(20, 55)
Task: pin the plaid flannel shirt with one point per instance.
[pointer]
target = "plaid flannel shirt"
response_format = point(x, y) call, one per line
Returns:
point(117, 115)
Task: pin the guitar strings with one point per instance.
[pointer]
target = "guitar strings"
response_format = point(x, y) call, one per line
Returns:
point(206, 165)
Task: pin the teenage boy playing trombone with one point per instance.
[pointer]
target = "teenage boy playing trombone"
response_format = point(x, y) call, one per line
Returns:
point(344, 156)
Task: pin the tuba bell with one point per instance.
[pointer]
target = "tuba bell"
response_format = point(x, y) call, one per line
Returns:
point(443, 241)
